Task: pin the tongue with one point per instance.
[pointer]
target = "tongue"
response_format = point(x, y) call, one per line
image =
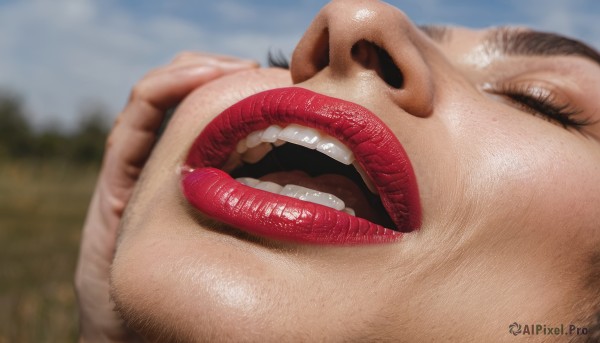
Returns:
point(338, 185)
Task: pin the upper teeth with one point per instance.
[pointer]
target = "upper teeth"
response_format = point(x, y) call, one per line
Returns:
point(297, 134)
point(258, 143)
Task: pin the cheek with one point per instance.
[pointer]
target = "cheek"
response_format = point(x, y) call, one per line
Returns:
point(535, 176)
point(525, 193)
point(167, 283)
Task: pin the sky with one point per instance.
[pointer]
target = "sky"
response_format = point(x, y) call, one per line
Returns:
point(66, 56)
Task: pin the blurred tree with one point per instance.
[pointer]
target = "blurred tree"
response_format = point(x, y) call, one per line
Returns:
point(19, 141)
point(15, 132)
point(87, 143)
point(51, 143)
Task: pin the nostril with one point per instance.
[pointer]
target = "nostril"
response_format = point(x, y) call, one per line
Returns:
point(373, 57)
point(389, 71)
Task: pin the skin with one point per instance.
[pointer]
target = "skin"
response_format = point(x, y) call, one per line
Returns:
point(509, 201)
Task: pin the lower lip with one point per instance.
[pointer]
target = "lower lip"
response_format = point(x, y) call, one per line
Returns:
point(216, 194)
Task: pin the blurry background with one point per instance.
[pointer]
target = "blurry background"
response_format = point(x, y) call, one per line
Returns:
point(66, 67)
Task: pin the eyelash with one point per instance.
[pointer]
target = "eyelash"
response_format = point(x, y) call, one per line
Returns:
point(541, 103)
point(278, 60)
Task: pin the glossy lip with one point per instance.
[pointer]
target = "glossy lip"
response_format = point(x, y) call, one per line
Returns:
point(261, 213)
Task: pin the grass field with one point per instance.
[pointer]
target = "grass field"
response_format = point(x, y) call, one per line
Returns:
point(42, 208)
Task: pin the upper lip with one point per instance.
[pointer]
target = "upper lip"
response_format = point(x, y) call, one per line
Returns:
point(374, 145)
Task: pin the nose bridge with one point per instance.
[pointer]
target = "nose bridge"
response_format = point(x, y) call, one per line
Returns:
point(349, 36)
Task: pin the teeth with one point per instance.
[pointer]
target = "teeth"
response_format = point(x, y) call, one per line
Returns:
point(253, 139)
point(300, 135)
point(258, 143)
point(311, 195)
point(279, 142)
point(350, 211)
point(271, 133)
point(257, 153)
point(269, 187)
point(297, 134)
point(335, 149)
point(365, 177)
point(241, 146)
point(248, 181)
point(299, 192)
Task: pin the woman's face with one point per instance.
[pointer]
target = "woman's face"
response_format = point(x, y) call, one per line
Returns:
point(504, 142)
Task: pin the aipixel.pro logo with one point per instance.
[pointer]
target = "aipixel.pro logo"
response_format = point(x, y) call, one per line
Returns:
point(515, 328)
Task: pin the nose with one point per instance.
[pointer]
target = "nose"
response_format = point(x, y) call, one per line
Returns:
point(349, 37)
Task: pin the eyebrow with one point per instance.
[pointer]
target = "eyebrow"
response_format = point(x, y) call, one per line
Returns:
point(519, 42)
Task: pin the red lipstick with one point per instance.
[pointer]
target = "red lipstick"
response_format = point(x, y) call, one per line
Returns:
point(258, 212)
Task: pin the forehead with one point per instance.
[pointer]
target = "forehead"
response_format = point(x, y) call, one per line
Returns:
point(460, 40)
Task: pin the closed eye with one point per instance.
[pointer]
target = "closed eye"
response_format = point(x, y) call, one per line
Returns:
point(542, 103)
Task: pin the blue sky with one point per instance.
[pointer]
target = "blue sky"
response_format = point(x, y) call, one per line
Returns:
point(66, 55)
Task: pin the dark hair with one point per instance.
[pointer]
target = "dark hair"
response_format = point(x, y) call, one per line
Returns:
point(592, 283)
point(593, 333)
point(594, 329)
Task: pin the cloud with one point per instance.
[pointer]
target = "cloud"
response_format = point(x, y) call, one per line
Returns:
point(235, 12)
point(63, 54)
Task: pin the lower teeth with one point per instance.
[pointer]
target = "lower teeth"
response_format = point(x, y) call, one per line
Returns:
point(298, 192)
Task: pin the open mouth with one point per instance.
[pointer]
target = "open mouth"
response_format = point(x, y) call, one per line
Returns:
point(295, 165)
